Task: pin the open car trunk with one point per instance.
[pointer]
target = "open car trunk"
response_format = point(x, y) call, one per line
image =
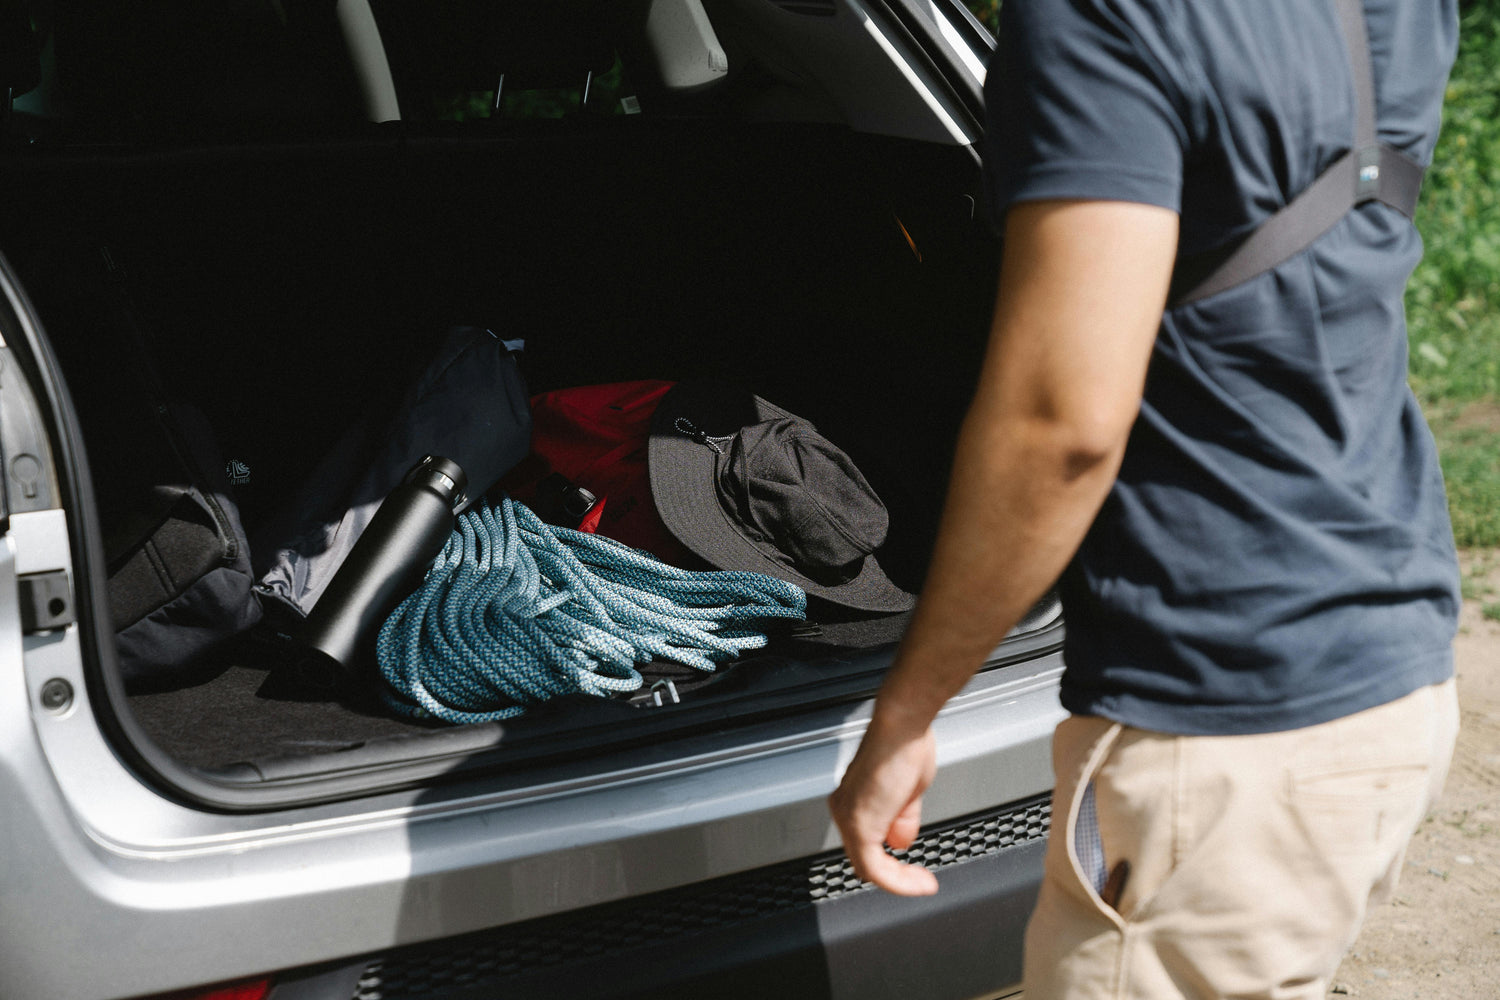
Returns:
point(288, 286)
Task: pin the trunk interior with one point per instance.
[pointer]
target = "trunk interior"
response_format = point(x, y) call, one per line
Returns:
point(289, 288)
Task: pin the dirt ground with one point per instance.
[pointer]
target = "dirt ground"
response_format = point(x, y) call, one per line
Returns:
point(1438, 938)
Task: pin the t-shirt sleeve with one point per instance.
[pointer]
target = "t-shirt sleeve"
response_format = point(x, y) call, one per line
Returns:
point(1081, 104)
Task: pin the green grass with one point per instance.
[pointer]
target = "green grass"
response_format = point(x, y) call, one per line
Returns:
point(1475, 587)
point(1481, 574)
point(1471, 466)
point(1452, 299)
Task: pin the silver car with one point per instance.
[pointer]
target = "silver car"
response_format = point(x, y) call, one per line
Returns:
point(280, 201)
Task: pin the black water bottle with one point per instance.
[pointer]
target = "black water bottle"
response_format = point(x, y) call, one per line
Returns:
point(385, 565)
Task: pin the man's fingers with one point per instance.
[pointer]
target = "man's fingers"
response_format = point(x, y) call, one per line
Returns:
point(874, 865)
point(871, 863)
point(906, 825)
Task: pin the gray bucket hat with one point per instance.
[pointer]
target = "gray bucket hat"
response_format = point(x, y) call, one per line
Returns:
point(748, 486)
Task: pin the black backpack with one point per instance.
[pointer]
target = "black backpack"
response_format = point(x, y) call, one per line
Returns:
point(179, 571)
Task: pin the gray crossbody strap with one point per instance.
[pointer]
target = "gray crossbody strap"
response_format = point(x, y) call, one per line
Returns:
point(1370, 171)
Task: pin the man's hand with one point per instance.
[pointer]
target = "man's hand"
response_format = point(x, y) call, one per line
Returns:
point(1082, 287)
point(880, 802)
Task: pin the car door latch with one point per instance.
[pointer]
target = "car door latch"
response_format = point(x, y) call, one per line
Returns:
point(46, 601)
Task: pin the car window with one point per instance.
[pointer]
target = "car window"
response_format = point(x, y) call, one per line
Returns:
point(606, 93)
point(117, 69)
point(129, 70)
point(460, 60)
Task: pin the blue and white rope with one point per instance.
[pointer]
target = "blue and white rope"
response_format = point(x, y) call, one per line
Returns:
point(515, 611)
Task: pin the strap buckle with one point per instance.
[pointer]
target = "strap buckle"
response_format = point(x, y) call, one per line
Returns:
point(1367, 180)
point(669, 687)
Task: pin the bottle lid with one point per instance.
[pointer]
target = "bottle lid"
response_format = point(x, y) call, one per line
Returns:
point(441, 475)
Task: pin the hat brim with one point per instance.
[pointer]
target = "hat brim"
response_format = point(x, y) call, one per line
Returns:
point(683, 474)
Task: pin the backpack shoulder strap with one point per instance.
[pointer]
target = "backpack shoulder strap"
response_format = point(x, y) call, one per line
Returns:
point(1370, 171)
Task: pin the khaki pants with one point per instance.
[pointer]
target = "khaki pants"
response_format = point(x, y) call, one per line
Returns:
point(1252, 858)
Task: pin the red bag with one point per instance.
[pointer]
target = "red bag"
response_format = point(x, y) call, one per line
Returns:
point(595, 437)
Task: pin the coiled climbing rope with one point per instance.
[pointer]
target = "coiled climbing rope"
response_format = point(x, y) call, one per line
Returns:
point(515, 611)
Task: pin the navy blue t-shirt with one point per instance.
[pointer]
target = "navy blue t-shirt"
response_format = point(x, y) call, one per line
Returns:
point(1276, 551)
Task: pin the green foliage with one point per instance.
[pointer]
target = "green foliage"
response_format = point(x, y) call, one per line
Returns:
point(1452, 300)
point(988, 12)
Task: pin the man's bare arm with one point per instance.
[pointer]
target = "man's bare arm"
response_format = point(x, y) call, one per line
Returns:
point(1082, 287)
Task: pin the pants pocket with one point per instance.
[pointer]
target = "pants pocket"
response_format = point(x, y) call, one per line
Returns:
point(1081, 838)
point(1347, 811)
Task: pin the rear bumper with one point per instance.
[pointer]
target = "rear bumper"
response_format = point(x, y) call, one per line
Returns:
point(805, 929)
point(161, 896)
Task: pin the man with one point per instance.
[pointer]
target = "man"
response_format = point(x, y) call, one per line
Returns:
point(1239, 495)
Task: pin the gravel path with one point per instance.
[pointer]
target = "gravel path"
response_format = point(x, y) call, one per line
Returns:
point(1439, 936)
